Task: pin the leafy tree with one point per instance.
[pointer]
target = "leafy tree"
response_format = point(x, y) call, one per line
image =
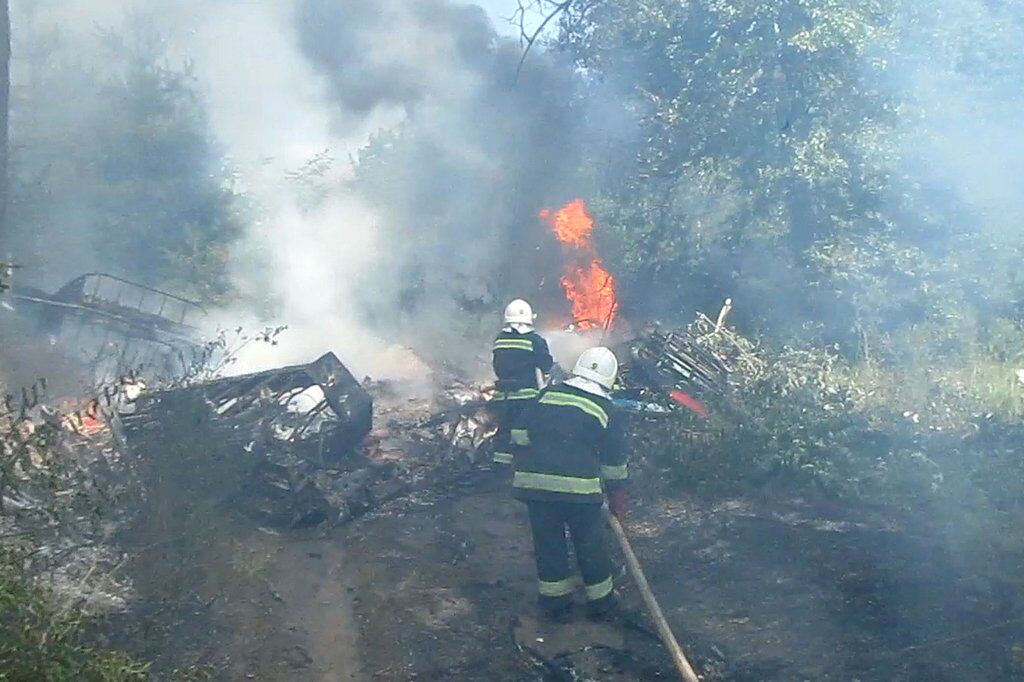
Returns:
point(5, 91)
point(781, 162)
point(128, 179)
point(845, 170)
point(762, 129)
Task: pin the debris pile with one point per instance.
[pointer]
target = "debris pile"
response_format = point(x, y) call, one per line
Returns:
point(297, 427)
point(676, 360)
point(668, 372)
point(60, 484)
point(317, 446)
point(307, 435)
point(467, 425)
point(109, 323)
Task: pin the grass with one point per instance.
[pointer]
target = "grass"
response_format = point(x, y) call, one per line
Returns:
point(40, 642)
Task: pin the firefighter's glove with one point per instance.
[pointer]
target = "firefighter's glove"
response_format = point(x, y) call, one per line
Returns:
point(617, 503)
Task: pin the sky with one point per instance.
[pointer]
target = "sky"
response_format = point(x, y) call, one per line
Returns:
point(499, 11)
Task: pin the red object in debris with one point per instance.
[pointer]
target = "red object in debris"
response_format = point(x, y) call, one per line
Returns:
point(91, 425)
point(688, 401)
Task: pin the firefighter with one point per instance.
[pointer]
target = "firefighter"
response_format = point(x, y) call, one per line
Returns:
point(573, 456)
point(519, 352)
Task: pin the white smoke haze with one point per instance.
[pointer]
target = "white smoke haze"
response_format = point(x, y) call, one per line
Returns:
point(959, 67)
point(385, 65)
point(268, 108)
point(423, 249)
point(474, 159)
point(284, 81)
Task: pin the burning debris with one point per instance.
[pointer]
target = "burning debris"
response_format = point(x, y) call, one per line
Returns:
point(60, 479)
point(320, 404)
point(588, 286)
point(665, 369)
point(676, 361)
point(299, 429)
point(303, 438)
point(467, 425)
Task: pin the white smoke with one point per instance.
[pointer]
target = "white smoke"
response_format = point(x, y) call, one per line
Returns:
point(294, 89)
point(959, 71)
point(268, 108)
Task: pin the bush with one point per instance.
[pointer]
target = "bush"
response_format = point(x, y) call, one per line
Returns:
point(809, 420)
point(41, 642)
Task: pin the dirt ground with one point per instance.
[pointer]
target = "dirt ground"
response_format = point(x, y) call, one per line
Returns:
point(446, 591)
point(440, 586)
point(754, 592)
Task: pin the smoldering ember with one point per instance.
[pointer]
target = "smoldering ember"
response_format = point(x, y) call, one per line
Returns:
point(511, 340)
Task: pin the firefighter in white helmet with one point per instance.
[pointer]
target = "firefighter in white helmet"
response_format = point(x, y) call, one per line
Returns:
point(573, 457)
point(518, 353)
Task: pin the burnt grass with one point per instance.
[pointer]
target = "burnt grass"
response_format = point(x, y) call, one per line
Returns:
point(783, 592)
point(765, 591)
point(439, 586)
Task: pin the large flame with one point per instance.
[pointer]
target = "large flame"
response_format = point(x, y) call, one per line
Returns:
point(588, 286)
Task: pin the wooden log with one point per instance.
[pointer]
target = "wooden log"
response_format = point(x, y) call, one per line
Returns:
point(686, 671)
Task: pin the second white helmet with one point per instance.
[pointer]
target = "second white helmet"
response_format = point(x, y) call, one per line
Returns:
point(519, 312)
point(599, 365)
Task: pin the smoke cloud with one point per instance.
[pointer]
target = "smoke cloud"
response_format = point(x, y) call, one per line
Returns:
point(423, 238)
point(456, 186)
point(393, 162)
point(959, 70)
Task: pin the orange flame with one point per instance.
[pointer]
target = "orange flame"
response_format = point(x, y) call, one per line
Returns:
point(588, 286)
point(572, 225)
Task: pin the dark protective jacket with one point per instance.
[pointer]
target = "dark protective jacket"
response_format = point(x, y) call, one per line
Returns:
point(575, 447)
point(516, 358)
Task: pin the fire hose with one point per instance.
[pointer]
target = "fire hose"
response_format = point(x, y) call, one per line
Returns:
point(686, 671)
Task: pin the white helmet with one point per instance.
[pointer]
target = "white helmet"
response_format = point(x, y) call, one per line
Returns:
point(598, 365)
point(519, 312)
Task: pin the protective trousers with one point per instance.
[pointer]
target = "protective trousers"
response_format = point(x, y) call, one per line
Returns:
point(506, 412)
point(548, 523)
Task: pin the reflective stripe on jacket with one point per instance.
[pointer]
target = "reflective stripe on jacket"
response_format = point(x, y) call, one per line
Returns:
point(520, 394)
point(516, 359)
point(574, 447)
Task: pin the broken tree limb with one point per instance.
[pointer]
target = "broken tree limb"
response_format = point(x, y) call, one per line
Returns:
point(686, 671)
point(722, 314)
point(530, 39)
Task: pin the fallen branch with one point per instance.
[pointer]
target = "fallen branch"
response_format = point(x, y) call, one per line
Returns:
point(959, 638)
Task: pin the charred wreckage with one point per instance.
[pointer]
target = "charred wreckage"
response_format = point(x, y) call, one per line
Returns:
point(110, 324)
point(307, 431)
point(317, 458)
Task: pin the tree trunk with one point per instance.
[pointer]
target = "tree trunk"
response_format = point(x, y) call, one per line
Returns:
point(5, 94)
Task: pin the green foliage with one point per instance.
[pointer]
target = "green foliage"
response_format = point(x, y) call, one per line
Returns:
point(811, 421)
point(782, 159)
point(40, 642)
point(763, 136)
point(116, 166)
point(788, 159)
